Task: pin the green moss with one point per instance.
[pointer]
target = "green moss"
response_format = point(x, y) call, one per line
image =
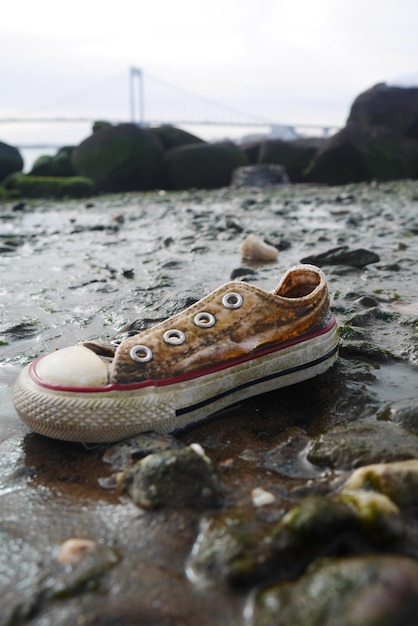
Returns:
point(49, 187)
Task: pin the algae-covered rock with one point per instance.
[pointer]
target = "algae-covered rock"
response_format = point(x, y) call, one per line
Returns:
point(376, 513)
point(10, 160)
point(179, 478)
point(398, 481)
point(202, 166)
point(349, 446)
point(315, 516)
point(120, 158)
point(238, 548)
point(58, 165)
point(355, 591)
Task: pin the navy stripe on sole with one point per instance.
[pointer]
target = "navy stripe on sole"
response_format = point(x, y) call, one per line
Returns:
point(257, 381)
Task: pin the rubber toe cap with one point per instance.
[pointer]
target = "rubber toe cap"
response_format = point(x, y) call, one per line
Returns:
point(76, 366)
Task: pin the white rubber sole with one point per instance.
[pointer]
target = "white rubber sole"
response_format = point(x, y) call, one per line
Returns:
point(117, 413)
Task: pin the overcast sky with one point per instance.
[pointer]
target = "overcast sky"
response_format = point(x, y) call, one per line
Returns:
point(289, 61)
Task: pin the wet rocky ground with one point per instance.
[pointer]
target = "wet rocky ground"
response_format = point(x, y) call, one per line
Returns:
point(296, 507)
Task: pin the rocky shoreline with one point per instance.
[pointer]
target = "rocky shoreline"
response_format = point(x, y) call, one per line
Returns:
point(309, 515)
point(378, 143)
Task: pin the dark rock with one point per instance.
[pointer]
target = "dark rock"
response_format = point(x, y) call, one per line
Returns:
point(178, 478)
point(343, 256)
point(120, 158)
point(259, 176)
point(295, 156)
point(395, 108)
point(238, 272)
point(356, 591)
point(10, 160)
point(370, 315)
point(205, 166)
point(352, 445)
point(252, 151)
point(172, 137)
point(357, 154)
point(19, 206)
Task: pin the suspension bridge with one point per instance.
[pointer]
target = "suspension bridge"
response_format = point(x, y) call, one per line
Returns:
point(153, 102)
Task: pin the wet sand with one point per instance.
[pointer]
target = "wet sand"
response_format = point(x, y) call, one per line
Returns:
point(78, 270)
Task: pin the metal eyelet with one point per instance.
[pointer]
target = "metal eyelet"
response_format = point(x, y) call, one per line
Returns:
point(174, 337)
point(204, 319)
point(141, 354)
point(232, 300)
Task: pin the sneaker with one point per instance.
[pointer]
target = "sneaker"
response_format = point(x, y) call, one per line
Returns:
point(237, 342)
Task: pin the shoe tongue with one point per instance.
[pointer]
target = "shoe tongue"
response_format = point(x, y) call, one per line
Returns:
point(297, 284)
point(102, 349)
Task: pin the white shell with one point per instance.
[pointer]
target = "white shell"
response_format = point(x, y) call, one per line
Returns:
point(255, 249)
point(74, 550)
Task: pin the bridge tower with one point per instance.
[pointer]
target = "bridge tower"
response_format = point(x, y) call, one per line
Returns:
point(136, 78)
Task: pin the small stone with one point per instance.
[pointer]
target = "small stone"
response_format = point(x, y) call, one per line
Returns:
point(261, 497)
point(238, 272)
point(180, 478)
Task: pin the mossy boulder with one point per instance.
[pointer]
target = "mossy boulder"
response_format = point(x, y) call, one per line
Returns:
point(394, 108)
point(172, 137)
point(10, 160)
point(58, 165)
point(28, 186)
point(120, 158)
point(295, 156)
point(202, 165)
point(252, 150)
point(357, 154)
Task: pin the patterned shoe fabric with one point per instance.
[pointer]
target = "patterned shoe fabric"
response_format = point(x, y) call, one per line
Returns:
point(239, 341)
